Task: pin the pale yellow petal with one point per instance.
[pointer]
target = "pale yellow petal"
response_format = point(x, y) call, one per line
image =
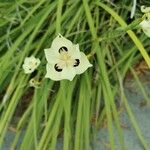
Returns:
point(66, 73)
point(84, 64)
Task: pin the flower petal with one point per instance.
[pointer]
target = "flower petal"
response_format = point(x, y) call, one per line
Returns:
point(84, 64)
point(37, 62)
point(30, 64)
point(59, 42)
point(66, 73)
point(51, 56)
point(147, 31)
point(145, 9)
point(145, 25)
point(74, 52)
point(27, 69)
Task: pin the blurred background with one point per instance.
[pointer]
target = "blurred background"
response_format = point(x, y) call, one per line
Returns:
point(106, 107)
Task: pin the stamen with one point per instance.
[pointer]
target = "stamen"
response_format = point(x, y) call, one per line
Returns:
point(57, 68)
point(63, 49)
point(77, 62)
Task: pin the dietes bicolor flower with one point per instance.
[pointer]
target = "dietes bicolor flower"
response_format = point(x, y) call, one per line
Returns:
point(30, 64)
point(64, 60)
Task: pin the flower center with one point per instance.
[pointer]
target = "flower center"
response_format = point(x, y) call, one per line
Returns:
point(32, 64)
point(65, 60)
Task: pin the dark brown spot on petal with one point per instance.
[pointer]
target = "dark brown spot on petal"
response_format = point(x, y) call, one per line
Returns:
point(77, 62)
point(63, 48)
point(144, 7)
point(146, 18)
point(57, 68)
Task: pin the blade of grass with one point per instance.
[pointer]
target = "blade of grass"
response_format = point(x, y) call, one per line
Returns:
point(132, 35)
point(109, 96)
point(58, 16)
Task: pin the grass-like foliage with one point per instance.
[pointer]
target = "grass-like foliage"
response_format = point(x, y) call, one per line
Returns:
point(71, 110)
